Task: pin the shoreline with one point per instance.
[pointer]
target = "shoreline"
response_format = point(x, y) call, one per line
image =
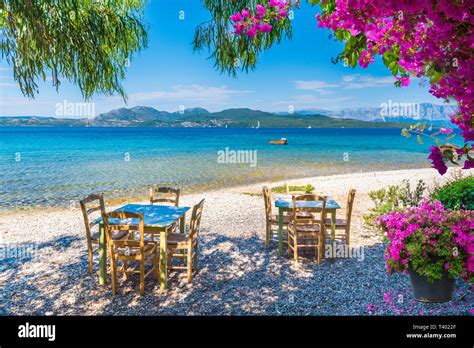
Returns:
point(205, 188)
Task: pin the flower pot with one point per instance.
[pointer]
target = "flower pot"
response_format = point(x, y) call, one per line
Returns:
point(432, 292)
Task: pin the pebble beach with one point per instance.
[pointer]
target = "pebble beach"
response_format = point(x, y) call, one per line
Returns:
point(237, 275)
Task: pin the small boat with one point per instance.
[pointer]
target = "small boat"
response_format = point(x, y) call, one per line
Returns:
point(281, 141)
point(258, 125)
point(309, 127)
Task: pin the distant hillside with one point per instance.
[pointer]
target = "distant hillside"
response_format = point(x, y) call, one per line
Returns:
point(142, 116)
point(392, 112)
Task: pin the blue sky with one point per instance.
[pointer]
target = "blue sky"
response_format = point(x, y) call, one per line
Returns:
point(168, 75)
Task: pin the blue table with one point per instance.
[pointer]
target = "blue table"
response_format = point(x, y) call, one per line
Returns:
point(157, 220)
point(284, 203)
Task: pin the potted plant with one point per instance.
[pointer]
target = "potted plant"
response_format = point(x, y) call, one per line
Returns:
point(433, 245)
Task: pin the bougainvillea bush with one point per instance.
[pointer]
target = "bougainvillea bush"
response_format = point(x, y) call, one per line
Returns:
point(430, 39)
point(431, 240)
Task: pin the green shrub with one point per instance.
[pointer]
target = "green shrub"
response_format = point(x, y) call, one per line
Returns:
point(394, 198)
point(457, 194)
point(282, 188)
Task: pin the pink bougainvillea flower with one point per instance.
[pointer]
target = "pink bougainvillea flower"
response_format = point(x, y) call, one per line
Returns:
point(468, 164)
point(265, 28)
point(436, 158)
point(445, 130)
point(239, 27)
point(251, 32)
point(354, 32)
point(261, 11)
point(365, 59)
point(404, 80)
point(236, 17)
point(245, 13)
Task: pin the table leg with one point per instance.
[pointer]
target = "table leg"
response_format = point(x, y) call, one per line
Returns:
point(333, 229)
point(102, 255)
point(280, 231)
point(163, 260)
point(182, 224)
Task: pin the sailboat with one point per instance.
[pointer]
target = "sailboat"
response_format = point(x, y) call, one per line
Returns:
point(258, 125)
point(226, 126)
point(309, 127)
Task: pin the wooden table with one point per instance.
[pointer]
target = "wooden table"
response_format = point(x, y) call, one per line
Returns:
point(284, 203)
point(157, 219)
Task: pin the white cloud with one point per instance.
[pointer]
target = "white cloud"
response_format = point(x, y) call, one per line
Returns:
point(305, 101)
point(358, 81)
point(190, 94)
point(355, 81)
point(315, 85)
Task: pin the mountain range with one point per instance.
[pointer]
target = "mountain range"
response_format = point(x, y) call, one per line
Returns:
point(141, 116)
point(393, 111)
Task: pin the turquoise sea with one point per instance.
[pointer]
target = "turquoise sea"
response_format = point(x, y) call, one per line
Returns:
point(56, 166)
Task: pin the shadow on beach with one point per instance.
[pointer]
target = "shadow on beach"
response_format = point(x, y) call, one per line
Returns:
point(235, 277)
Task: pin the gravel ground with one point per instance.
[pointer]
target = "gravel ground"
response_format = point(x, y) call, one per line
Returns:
point(237, 275)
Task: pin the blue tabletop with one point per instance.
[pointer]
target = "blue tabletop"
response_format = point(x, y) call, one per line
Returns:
point(285, 201)
point(153, 215)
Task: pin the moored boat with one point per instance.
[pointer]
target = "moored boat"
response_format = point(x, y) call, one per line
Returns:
point(281, 141)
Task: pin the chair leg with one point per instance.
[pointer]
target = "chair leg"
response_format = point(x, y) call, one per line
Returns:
point(195, 258)
point(189, 262)
point(142, 275)
point(124, 269)
point(288, 245)
point(171, 251)
point(319, 249)
point(156, 264)
point(295, 250)
point(90, 257)
point(347, 237)
point(267, 234)
point(113, 269)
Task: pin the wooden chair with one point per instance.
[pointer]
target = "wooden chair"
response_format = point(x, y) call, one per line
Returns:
point(307, 232)
point(271, 220)
point(129, 250)
point(187, 243)
point(164, 195)
point(89, 205)
point(343, 225)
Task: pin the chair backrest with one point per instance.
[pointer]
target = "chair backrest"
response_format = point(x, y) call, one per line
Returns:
point(308, 219)
point(125, 224)
point(267, 197)
point(350, 203)
point(89, 205)
point(164, 195)
point(195, 224)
